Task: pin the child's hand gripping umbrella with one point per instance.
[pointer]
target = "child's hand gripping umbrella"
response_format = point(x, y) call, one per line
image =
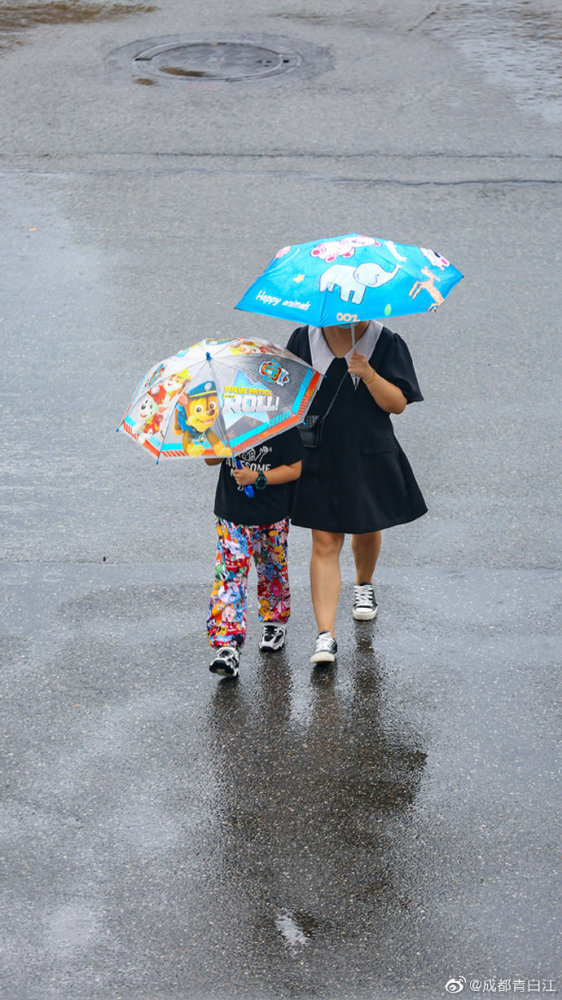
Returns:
point(248, 490)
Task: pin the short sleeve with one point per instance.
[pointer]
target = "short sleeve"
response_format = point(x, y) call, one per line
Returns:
point(292, 447)
point(299, 344)
point(392, 359)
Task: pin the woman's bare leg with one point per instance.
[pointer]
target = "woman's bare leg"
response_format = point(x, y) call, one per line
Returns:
point(325, 577)
point(366, 549)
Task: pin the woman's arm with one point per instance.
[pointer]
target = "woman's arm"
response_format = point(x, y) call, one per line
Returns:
point(387, 395)
point(213, 461)
point(280, 474)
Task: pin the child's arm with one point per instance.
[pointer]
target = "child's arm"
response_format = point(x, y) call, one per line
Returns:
point(280, 474)
point(213, 461)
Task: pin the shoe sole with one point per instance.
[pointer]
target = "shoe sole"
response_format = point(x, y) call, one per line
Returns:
point(230, 672)
point(364, 614)
point(322, 657)
point(271, 649)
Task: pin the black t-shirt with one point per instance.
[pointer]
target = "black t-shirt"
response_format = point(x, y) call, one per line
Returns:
point(270, 504)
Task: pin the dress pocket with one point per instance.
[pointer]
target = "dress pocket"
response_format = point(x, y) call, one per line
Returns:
point(376, 443)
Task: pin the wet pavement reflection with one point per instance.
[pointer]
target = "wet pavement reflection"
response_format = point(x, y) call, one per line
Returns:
point(326, 833)
point(303, 804)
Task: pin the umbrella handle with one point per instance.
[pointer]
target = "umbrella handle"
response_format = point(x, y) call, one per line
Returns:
point(248, 490)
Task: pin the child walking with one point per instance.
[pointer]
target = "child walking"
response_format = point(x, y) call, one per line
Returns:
point(252, 529)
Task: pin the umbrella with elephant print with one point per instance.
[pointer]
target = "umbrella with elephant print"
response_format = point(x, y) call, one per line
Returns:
point(347, 279)
point(219, 398)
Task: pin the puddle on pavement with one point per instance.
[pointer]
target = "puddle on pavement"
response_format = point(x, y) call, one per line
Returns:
point(515, 43)
point(16, 17)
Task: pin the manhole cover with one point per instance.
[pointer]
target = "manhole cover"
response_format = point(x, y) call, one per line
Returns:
point(217, 60)
point(222, 60)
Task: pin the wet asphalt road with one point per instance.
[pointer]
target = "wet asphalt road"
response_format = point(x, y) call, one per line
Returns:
point(380, 829)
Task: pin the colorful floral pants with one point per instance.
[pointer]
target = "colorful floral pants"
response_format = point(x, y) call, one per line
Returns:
point(237, 546)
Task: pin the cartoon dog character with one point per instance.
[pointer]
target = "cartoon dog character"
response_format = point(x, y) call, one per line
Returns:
point(250, 347)
point(245, 347)
point(148, 419)
point(194, 417)
point(170, 387)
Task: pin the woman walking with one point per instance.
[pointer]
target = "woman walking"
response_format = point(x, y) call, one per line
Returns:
point(357, 480)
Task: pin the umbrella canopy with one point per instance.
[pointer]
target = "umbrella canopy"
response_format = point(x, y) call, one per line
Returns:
point(219, 398)
point(350, 278)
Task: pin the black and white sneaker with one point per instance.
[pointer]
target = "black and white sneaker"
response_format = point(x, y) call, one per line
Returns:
point(273, 637)
point(325, 649)
point(364, 605)
point(226, 662)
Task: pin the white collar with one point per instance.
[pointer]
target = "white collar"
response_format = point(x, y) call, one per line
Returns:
point(322, 356)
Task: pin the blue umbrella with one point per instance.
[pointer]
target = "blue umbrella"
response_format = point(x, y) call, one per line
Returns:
point(345, 280)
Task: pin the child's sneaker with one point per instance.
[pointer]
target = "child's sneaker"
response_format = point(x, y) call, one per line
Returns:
point(226, 662)
point(325, 649)
point(364, 605)
point(273, 637)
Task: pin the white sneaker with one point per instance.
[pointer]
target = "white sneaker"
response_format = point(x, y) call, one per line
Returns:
point(226, 662)
point(325, 649)
point(273, 637)
point(364, 605)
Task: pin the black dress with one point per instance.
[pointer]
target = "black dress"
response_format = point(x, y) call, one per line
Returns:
point(359, 480)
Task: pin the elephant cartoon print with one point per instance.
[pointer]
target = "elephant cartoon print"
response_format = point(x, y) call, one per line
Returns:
point(352, 281)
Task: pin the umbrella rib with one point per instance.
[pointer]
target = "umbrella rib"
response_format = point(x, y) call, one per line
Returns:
point(214, 375)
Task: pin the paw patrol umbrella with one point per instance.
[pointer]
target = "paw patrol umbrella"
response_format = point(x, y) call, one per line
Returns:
point(342, 281)
point(219, 398)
